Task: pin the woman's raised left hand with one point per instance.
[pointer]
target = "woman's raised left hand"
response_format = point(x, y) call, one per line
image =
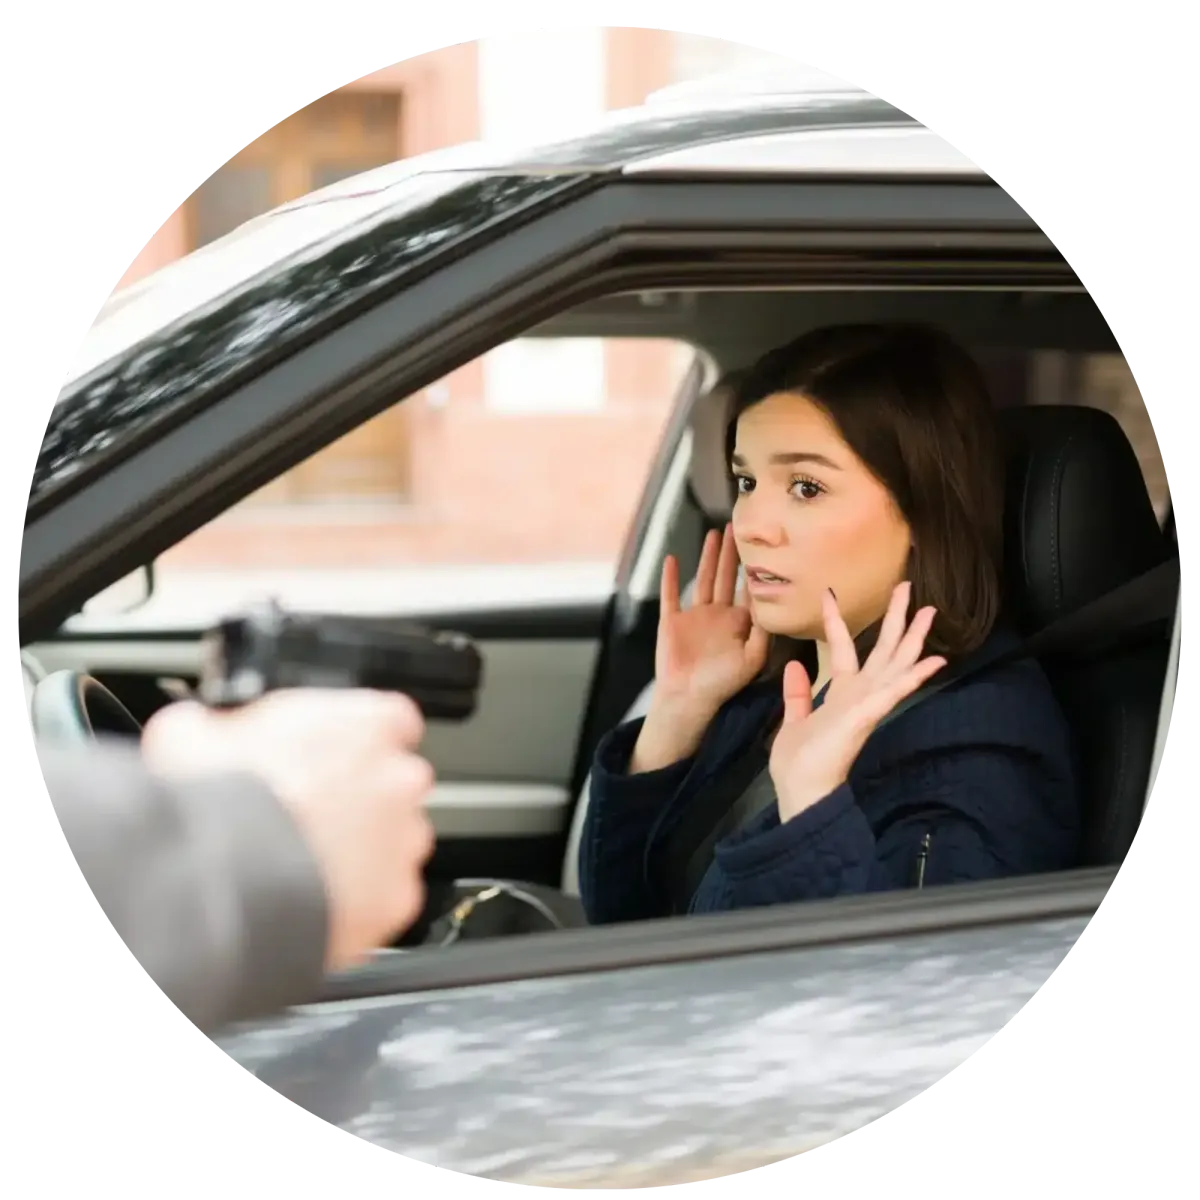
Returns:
point(813, 751)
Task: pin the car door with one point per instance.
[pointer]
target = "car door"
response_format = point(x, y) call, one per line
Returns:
point(672, 1051)
point(667, 1052)
point(553, 1042)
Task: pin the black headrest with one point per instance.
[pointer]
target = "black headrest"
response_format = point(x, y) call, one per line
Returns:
point(1078, 520)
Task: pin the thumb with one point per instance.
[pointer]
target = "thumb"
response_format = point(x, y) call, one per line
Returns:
point(797, 693)
point(178, 741)
point(174, 721)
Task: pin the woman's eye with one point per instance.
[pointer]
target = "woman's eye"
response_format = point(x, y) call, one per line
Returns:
point(806, 489)
point(744, 485)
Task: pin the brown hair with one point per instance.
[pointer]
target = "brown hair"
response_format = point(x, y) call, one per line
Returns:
point(914, 407)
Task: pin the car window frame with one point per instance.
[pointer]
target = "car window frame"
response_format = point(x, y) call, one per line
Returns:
point(210, 351)
point(677, 940)
point(218, 449)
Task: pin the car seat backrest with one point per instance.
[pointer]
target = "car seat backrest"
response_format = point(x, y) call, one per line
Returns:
point(1078, 523)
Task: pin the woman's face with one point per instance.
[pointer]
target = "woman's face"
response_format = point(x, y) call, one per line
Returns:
point(810, 516)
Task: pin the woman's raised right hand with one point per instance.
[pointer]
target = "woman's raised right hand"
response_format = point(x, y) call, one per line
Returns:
point(705, 654)
point(710, 650)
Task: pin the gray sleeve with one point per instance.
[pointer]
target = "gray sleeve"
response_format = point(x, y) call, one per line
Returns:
point(209, 883)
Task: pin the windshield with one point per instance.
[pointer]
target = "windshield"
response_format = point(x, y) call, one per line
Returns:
point(143, 309)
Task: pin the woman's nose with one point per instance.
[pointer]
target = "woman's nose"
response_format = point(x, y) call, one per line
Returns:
point(755, 522)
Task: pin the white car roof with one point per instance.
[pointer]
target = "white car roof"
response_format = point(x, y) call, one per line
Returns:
point(800, 122)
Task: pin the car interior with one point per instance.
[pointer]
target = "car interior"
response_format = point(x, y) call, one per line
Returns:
point(1086, 513)
point(1080, 520)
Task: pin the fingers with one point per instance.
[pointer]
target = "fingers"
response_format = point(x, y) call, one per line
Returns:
point(168, 720)
point(742, 600)
point(886, 698)
point(668, 594)
point(727, 568)
point(797, 693)
point(843, 658)
point(177, 740)
point(391, 717)
point(892, 628)
point(913, 642)
point(407, 780)
point(883, 699)
point(412, 780)
point(187, 732)
point(706, 572)
point(716, 574)
point(898, 648)
point(400, 720)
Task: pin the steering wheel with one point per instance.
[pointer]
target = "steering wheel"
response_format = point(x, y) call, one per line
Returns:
point(71, 707)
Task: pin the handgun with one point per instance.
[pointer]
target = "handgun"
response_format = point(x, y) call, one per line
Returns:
point(267, 648)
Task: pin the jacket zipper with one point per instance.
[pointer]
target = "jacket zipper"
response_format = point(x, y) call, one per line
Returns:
point(922, 859)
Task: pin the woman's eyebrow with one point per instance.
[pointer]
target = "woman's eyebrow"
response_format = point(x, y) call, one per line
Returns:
point(790, 458)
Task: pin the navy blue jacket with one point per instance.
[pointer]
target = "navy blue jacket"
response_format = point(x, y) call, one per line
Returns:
point(984, 769)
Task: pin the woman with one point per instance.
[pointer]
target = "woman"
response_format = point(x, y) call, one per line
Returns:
point(869, 487)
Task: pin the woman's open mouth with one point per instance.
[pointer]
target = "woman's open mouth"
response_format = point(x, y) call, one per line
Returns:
point(765, 583)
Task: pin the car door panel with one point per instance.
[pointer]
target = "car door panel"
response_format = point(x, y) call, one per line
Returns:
point(527, 724)
point(167, 657)
point(656, 1075)
point(503, 802)
point(538, 667)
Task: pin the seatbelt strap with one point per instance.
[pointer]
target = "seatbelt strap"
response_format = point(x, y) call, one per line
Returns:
point(1139, 605)
point(709, 817)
